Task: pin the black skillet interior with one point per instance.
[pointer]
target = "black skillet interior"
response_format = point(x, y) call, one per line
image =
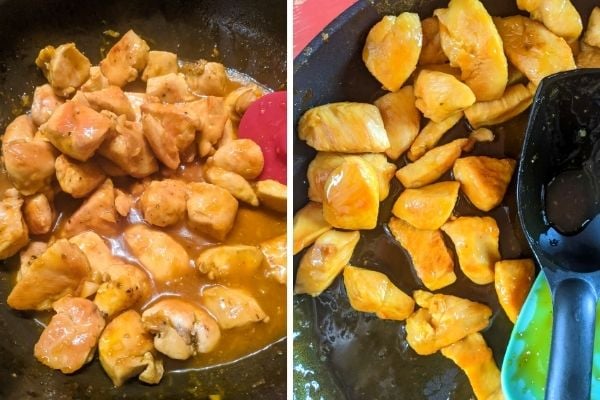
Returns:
point(250, 37)
point(339, 353)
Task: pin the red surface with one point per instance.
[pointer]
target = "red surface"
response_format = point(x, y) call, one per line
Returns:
point(265, 123)
point(311, 16)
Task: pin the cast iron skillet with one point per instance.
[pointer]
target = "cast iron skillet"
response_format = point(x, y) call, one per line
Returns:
point(343, 354)
point(251, 37)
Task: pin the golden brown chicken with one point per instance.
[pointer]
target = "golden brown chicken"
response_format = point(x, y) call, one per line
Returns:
point(206, 78)
point(160, 63)
point(592, 33)
point(125, 60)
point(242, 156)
point(238, 101)
point(309, 224)
point(112, 99)
point(96, 81)
point(97, 213)
point(559, 16)
point(169, 88)
point(272, 194)
point(431, 51)
point(431, 135)
point(13, 229)
point(211, 209)
point(162, 143)
point(78, 178)
point(65, 67)
point(209, 115)
point(440, 95)
point(516, 99)
point(221, 261)
point(235, 184)
point(589, 57)
point(44, 103)
point(232, 308)
point(39, 214)
point(275, 253)
point(513, 280)
point(163, 203)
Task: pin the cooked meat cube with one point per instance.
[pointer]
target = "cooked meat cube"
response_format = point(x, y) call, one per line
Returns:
point(232, 308)
point(373, 292)
point(211, 209)
point(78, 178)
point(392, 49)
point(430, 257)
point(476, 242)
point(221, 261)
point(275, 252)
point(441, 95)
point(323, 262)
point(112, 99)
point(431, 135)
point(60, 271)
point(97, 252)
point(65, 67)
point(97, 213)
point(69, 341)
point(209, 117)
point(126, 286)
point(162, 140)
point(181, 329)
point(242, 156)
point(431, 51)
point(38, 214)
point(428, 207)
point(513, 280)
point(96, 81)
point(559, 16)
point(136, 100)
point(160, 63)
point(309, 224)
point(484, 179)
point(126, 350)
point(29, 255)
point(233, 183)
point(13, 230)
point(589, 57)
point(162, 256)
point(21, 128)
point(443, 320)
point(238, 101)
point(272, 194)
point(344, 127)
point(206, 78)
point(592, 33)
point(170, 88)
point(125, 59)
point(513, 102)
point(123, 202)
point(163, 203)
point(45, 102)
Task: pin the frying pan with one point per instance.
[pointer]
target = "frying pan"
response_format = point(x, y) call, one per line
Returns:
point(250, 37)
point(343, 354)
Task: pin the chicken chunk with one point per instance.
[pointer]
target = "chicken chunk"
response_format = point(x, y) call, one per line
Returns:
point(21, 128)
point(96, 81)
point(209, 116)
point(112, 99)
point(516, 99)
point(65, 67)
point(373, 292)
point(211, 209)
point(221, 261)
point(443, 320)
point(592, 34)
point(392, 49)
point(181, 329)
point(352, 196)
point(431, 135)
point(513, 280)
point(476, 242)
point(233, 183)
point(484, 179)
point(123, 202)
point(125, 59)
point(275, 253)
point(45, 102)
point(160, 63)
point(126, 350)
point(323, 262)
point(309, 224)
point(232, 308)
point(169, 88)
point(97, 252)
point(401, 120)
point(206, 78)
point(344, 127)
point(272, 194)
point(60, 271)
point(441, 95)
point(126, 286)
point(29, 255)
point(559, 16)
point(430, 257)
point(589, 57)
point(242, 156)
point(428, 207)
point(38, 214)
point(97, 213)
point(474, 357)
point(431, 51)
point(471, 42)
point(69, 341)
point(163, 203)
point(238, 101)
point(78, 178)
point(432, 165)
point(13, 229)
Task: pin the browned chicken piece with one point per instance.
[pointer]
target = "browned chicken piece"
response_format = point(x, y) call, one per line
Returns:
point(206, 78)
point(513, 102)
point(112, 99)
point(589, 57)
point(559, 16)
point(97, 213)
point(484, 179)
point(181, 329)
point(230, 133)
point(392, 49)
point(324, 163)
point(125, 59)
point(431, 135)
point(242, 156)
point(232, 308)
point(323, 262)
point(163, 202)
point(78, 178)
point(441, 95)
point(443, 320)
point(513, 280)
point(44, 103)
point(238, 101)
point(208, 115)
point(38, 214)
point(160, 63)
point(430, 257)
point(136, 100)
point(126, 286)
point(233, 183)
point(97, 252)
point(476, 243)
point(126, 350)
point(221, 261)
point(163, 144)
point(275, 252)
point(21, 128)
point(471, 42)
point(211, 209)
point(533, 49)
point(29, 254)
point(344, 127)
point(401, 120)
point(76, 130)
point(69, 341)
point(481, 135)
point(13, 230)
point(432, 165)
point(96, 81)
point(474, 357)
point(272, 194)
point(170, 88)
point(428, 207)
point(592, 33)
point(351, 196)
point(309, 224)
point(373, 292)
point(431, 51)
point(123, 202)
point(65, 67)
point(446, 68)
point(60, 271)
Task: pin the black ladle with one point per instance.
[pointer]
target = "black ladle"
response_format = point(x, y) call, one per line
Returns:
point(557, 198)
